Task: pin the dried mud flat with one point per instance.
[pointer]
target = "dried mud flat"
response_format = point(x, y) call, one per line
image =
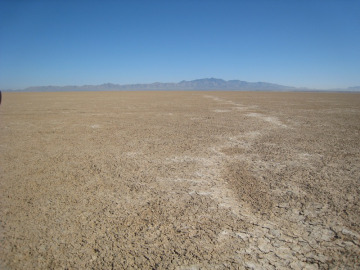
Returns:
point(180, 180)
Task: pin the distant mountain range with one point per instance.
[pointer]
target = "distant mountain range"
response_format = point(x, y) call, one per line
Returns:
point(206, 84)
point(354, 88)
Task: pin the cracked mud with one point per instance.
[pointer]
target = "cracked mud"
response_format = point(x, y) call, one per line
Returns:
point(180, 180)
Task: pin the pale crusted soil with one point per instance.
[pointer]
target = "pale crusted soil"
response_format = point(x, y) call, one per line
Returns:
point(180, 180)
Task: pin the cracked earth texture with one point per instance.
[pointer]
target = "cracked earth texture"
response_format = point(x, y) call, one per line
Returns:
point(180, 180)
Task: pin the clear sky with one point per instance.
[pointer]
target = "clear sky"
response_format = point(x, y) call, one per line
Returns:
point(305, 43)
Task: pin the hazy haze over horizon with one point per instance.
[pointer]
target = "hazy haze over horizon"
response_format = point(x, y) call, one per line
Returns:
point(312, 44)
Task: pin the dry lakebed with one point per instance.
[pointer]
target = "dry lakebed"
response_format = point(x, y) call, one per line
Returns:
point(180, 180)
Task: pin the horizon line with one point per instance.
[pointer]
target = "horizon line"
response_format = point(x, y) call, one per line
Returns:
point(349, 88)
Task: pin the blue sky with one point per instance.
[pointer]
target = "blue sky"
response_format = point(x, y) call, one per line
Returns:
point(306, 43)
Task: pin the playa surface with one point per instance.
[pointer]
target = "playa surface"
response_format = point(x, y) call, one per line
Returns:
point(179, 180)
